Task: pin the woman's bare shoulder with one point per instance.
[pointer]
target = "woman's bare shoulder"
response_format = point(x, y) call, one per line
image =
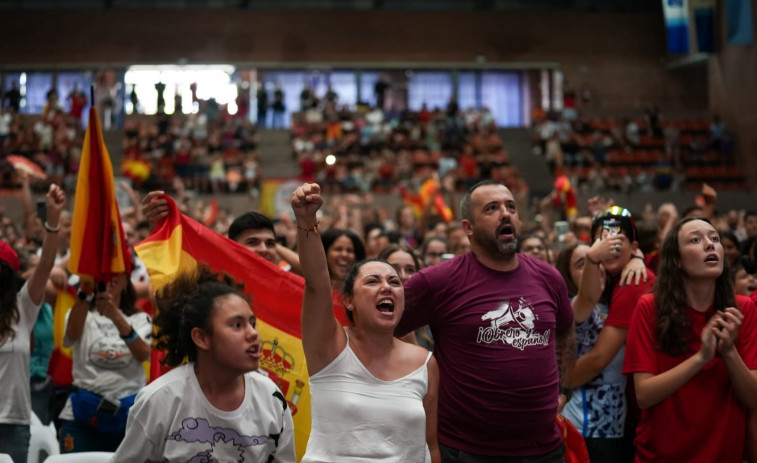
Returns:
point(411, 354)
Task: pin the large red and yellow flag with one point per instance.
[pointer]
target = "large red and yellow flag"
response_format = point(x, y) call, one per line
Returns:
point(179, 243)
point(98, 246)
point(61, 361)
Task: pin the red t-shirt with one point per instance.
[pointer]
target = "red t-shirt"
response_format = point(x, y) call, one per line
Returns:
point(307, 170)
point(624, 299)
point(468, 165)
point(703, 421)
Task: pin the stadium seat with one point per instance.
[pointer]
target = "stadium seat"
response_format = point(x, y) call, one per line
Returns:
point(43, 442)
point(81, 457)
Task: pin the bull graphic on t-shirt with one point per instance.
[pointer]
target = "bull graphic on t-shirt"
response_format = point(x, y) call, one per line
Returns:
point(523, 315)
point(512, 325)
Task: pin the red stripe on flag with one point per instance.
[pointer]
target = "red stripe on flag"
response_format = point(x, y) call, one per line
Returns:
point(276, 294)
point(97, 237)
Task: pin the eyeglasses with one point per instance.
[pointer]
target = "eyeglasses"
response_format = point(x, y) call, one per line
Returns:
point(434, 255)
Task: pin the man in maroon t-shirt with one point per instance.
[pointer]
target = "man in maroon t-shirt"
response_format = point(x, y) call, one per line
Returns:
point(503, 330)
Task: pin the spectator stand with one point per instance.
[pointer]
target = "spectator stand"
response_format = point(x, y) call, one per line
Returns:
point(626, 155)
point(373, 151)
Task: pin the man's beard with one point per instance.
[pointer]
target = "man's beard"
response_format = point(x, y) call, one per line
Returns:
point(496, 248)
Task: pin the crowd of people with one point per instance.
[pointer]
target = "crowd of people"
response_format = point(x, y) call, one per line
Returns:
point(52, 141)
point(649, 153)
point(207, 152)
point(471, 327)
point(376, 150)
point(211, 151)
point(620, 323)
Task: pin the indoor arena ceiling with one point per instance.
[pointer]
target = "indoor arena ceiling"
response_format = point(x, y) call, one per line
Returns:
point(358, 5)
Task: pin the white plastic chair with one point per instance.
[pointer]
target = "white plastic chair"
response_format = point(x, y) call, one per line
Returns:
point(81, 457)
point(43, 442)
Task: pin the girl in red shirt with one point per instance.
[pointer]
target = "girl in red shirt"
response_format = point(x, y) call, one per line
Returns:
point(692, 350)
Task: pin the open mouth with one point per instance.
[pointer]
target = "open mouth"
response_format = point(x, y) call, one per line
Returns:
point(712, 258)
point(254, 351)
point(385, 306)
point(505, 230)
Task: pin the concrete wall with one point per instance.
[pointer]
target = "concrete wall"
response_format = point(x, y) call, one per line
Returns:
point(733, 91)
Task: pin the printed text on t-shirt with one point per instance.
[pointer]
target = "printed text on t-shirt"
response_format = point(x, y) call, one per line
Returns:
point(512, 325)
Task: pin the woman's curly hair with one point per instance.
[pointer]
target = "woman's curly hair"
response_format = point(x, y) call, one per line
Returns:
point(187, 303)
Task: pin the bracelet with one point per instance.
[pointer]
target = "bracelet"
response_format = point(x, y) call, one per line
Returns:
point(307, 231)
point(591, 261)
point(131, 337)
point(51, 229)
point(636, 257)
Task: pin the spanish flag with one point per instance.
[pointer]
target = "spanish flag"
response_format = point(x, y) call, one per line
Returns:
point(566, 197)
point(179, 243)
point(429, 191)
point(98, 246)
point(61, 361)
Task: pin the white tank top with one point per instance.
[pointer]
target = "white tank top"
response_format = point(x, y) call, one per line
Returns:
point(357, 417)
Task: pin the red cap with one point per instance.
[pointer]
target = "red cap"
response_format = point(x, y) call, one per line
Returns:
point(9, 256)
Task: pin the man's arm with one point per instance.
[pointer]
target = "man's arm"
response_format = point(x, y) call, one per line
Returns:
point(565, 344)
point(419, 301)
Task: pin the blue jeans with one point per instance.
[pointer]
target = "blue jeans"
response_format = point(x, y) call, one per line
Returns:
point(42, 398)
point(75, 437)
point(14, 440)
point(451, 455)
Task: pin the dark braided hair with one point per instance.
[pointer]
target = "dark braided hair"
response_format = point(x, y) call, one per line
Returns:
point(185, 303)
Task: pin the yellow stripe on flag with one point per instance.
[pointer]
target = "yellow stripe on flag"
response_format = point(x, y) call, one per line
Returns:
point(63, 304)
point(166, 258)
point(282, 359)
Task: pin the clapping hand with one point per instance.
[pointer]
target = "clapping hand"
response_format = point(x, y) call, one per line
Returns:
point(709, 342)
point(727, 325)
